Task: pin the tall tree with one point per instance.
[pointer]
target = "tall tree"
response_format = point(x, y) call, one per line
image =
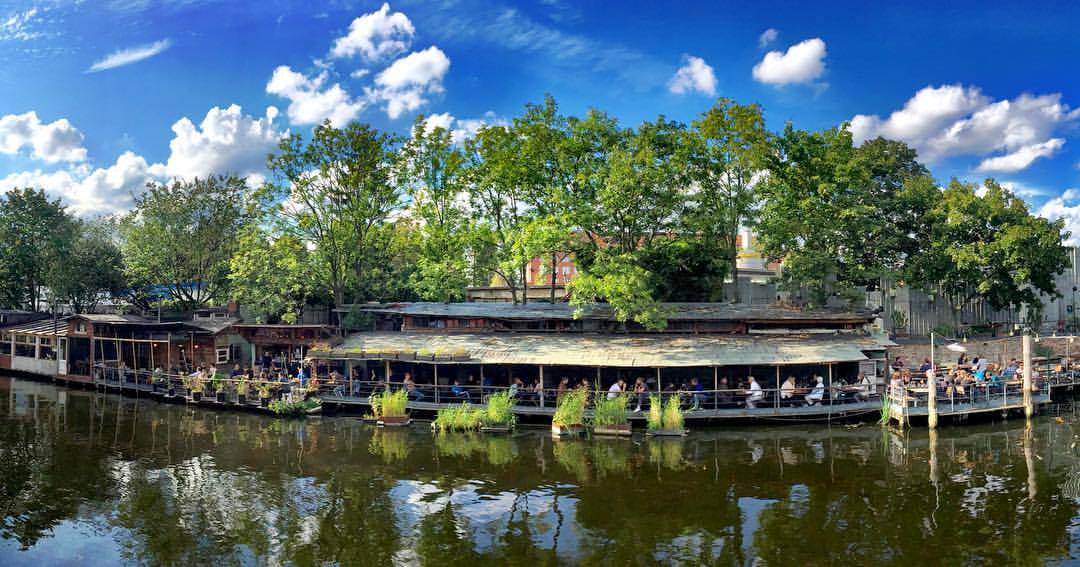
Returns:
point(273, 276)
point(725, 150)
point(433, 172)
point(91, 270)
point(988, 245)
point(333, 192)
point(181, 235)
point(35, 232)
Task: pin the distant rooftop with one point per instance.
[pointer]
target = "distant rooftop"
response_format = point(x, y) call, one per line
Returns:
point(603, 311)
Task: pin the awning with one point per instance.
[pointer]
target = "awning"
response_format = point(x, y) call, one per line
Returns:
point(41, 327)
point(641, 351)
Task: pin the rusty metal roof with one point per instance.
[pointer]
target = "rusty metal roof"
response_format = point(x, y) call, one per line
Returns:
point(652, 351)
point(40, 327)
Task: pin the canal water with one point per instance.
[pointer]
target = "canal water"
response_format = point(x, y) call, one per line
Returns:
point(93, 479)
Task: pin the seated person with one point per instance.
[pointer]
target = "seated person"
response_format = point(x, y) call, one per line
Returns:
point(866, 386)
point(925, 365)
point(817, 394)
point(754, 394)
point(787, 389)
point(458, 392)
point(697, 391)
point(410, 387)
point(725, 396)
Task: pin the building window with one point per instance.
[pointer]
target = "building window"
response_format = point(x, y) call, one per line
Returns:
point(5, 344)
point(46, 351)
point(220, 316)
point(24, 346)
point(80, 328)
point(223, 355)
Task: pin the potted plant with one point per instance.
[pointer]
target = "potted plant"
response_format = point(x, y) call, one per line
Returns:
point(665, 419)
point(157, 379)
point(195, 386)
point(425, 354)
point(264, 394)
point(219, 384)
point(569, 418)
point(392, 408)
point(498, 414)
point(609, 415)
point(442, 354)
point(242, 388)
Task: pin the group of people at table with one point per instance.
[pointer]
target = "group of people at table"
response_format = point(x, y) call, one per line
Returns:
point(966, 377)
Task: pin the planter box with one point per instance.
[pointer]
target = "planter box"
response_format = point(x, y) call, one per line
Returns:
point(443, 357)
point(573, 430)
point(171, 393)
point(395, 421)
point(241, 399)
point(315, 410)
point(196, 396)
point(497, 429)
point(667, 432)
point(617, 430)
point(220, 397)
point(426, 357)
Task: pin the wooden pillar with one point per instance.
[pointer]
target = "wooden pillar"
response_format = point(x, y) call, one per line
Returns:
point(1028, 370)
point(931, 399)
point(659, 386)
point(386, 378)
point(436, 365)
point(541, 385)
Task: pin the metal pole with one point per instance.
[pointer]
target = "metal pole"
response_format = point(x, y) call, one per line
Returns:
point(436, 382)
point(541, 385)
point(931, 390)
point(1028, 409)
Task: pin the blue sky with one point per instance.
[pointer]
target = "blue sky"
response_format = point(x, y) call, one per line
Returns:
point(124, 91)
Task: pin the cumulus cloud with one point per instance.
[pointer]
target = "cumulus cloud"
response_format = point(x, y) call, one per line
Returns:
point(227, 141)
point(694, 76)
point(53, 142)
point(310, 100)
point(89, 191)
point(129, 55)
point(16, 26)
point(1067, 207)
point(406, 83)
point(953, 120)
point(767, 37)
point(1023, 157)
point(376, 36)
point(461, 128)
point(801, 63)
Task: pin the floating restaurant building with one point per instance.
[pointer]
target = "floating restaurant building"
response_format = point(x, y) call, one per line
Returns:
point(706, 347)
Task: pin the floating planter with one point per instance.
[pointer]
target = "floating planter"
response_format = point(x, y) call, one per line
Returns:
point(665, 419)
point(389, 408)
point(667, 432)
point(569, 418)
point(617, 430)
point(575, 430)
point(609, 415)
point(394, 420)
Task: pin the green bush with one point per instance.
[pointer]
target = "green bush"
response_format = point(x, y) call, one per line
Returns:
point(500, 410)
point(298, 408)
point(458, 418)
point(389, 404)
point(571, 408)
point(610, 411)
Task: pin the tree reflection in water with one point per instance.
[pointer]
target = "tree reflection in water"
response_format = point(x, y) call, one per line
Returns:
point(168, 484)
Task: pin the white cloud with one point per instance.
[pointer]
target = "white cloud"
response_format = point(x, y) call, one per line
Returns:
point(360, 73)
point(404, 85)
point(694, 75)
point(767, 37)
point(226, 142)
point(376, 36)
point(953, 120)
point(52, 142)
point(1023, 157)
point(130, 55)
point(310, 100)
point(462, 128)
point(802, 63)
point(92, 191)
point(16, 26)
point(1067, 207)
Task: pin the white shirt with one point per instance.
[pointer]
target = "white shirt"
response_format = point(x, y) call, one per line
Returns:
point(614, 391)
point(981, 365)
point(755, 391)
point(818, 392)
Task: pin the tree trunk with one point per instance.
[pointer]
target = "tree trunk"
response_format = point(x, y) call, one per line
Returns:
point(735, 296)
point(554, 273)
point(525, 284)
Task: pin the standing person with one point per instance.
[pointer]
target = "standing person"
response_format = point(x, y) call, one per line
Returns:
point(697, 393)
point(640, 390)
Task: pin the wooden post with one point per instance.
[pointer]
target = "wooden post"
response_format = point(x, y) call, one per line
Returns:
point(931, 399)
point(541, 394)
point(778, 386)
point(386, 378)
point(1028, 408)
point(436, 365)
point(659, 386)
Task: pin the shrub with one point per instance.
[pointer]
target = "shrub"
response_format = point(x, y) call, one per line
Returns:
point(389, 404)
point(500, 410)
point(571, 408)
point(297, 408)
point(458, 418)
point(610, 411)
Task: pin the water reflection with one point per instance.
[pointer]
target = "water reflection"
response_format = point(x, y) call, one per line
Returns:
point(102, 479)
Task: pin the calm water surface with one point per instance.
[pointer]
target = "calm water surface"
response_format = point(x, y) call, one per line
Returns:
point(91, 479)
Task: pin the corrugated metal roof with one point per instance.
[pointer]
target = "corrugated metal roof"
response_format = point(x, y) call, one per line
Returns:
point(676, 311)
point(42, 327)
point(612, 350)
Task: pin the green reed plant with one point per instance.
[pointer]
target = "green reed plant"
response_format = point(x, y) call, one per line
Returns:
point(458, 418)
point(655, 419)
point(673, 415)
point(571, 408)
point(390, 404)
point(499, 411)
point(610, 411)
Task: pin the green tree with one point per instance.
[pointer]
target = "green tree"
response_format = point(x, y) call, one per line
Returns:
point(273, 276)
point(990, 246)
point(334, 192)
point(182, 235)
point(433, 171)
point(726, 148)
point(91, 270)
point(35, 232)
